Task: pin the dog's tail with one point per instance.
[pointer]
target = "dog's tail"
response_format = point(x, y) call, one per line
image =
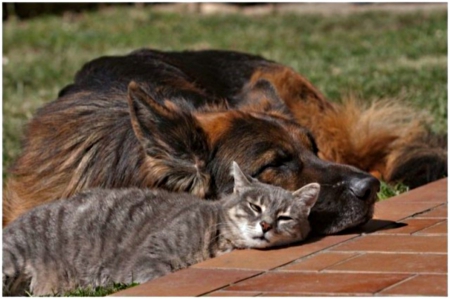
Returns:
point(418, 160)
point(387, 138)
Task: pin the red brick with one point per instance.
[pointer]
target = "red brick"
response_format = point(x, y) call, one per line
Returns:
point(421, 285)
point(309, 282)
point(394, 263)
point(392, 209)
point(188, 282)
point(433, 192)
point(412, 225)
point(303, 294)
point(396, 243)
point(438, 212)
point(222, 293)
point(319, 261)
point(438, 229)
point(271, 258)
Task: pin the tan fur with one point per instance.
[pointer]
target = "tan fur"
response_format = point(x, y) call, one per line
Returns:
point(215, 123)
point(371, 136)
point(67, 170)
point(154, 170)
point(361, 134)
point(290, 86)
point(14, 194)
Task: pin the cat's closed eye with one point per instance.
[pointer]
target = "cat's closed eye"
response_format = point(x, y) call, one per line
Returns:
point(254, 207)
point(284, 218)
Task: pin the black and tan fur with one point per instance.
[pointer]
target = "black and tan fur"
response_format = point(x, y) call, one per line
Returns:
point(189, 114)
point(140, 139)
point(385, 138)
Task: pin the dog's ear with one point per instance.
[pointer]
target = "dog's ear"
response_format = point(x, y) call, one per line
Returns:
point(175, 144)
point(146, 115)
point(260, 96)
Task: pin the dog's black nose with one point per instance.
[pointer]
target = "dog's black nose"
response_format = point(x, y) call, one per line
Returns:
point(365, 188)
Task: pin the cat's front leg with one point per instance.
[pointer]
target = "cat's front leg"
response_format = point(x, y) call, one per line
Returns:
point(223, 251)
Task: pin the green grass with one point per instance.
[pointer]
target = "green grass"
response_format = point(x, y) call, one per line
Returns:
point(375, 54)
point(387, 190)
point(97, 291)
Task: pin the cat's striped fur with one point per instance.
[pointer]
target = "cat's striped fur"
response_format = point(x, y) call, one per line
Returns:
point(101, 236)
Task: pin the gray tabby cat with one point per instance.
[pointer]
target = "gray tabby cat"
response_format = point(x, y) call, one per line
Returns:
point(131, 235)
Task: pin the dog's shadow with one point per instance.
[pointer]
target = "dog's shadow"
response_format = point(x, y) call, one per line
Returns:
point(373, 225)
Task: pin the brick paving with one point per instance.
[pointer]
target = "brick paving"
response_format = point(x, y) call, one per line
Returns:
point(401, 252)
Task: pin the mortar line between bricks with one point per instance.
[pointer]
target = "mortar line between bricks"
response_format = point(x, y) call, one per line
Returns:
point(443, 218)
point(340, 243)
point(244, 279)
point(381, 272)
point(230, 284)
point(412, 234)
point(322, 294)
point(274, 268)
point(391, 252)
point(341, 262)
point(318, 253)
point(433, 225)
point(427, 210)
point(412, 216)
point(395, 284)
point(325, 249)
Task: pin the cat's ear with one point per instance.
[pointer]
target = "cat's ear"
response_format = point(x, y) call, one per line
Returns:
point(175, 145)
point(307, 195)
point(240, 179)
point(260, 96)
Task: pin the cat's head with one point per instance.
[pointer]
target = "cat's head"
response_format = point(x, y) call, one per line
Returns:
point(262, 215)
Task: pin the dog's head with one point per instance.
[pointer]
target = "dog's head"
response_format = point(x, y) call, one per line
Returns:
point(193, 151)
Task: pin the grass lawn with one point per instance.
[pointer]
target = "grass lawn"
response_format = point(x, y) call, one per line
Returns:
point(99, 291)
point(373, 55)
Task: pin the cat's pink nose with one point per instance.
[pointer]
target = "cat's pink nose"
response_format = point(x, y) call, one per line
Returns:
point(265, 226)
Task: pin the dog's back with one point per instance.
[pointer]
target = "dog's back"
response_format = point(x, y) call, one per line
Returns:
point(388, 139)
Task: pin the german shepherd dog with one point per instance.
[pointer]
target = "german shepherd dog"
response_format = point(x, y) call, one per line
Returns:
point(386, 139)
point(178, 125)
